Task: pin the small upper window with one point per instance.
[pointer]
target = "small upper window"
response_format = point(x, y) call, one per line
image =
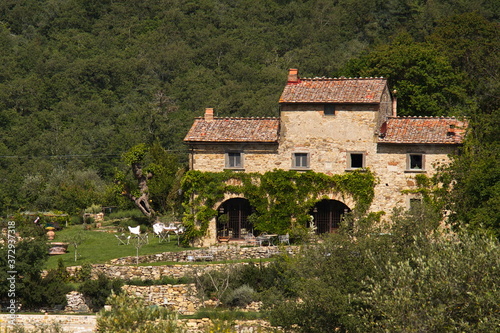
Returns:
point(234, 160)
point(300, 160)
point(416, 162)
point(415, 203)
point(355, 160)
point(329, 110)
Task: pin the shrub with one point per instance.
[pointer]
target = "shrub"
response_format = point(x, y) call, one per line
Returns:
point(84, 273)
point(239, 297)
point(450, 286)
point(55, 289)
point(54, 327)
point(121, 214)
point(132, 315)
point(99, 290)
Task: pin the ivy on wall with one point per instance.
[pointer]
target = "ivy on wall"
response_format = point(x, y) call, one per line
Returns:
point(281, 199)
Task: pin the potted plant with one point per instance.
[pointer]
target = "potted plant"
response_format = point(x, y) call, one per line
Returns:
point(223, 220)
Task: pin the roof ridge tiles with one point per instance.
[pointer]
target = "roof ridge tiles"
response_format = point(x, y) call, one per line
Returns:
point(241, 118)
point(422, 117)
point(317, 78)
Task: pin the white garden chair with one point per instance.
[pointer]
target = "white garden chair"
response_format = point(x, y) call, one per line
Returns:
point(159, 230)
point(137, 232)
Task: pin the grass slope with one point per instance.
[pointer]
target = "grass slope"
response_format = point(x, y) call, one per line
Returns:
point(100, 247)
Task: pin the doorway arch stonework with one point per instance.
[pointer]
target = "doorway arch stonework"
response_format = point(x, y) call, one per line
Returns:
point(327, 215)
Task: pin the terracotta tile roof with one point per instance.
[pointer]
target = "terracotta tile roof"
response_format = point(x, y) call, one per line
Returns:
point(423, 130)
point(234, 130)
point(336, 90)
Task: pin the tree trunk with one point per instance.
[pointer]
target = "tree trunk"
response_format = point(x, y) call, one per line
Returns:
point(142, 201)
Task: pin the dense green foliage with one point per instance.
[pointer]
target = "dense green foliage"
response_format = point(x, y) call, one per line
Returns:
point(130, 314)
point(151, 180)
point(450, 286)
point(23, 254)
point(472, 181)
point(414, 279)
point(412, 69)
point(83, 81)
point(99, 290)
point(281, 199)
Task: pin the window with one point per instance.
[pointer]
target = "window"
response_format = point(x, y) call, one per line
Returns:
point(355, 160)
point(329, 110)
point(300, 160)
point(415, 203)
point(415, 162)
point(234, 160)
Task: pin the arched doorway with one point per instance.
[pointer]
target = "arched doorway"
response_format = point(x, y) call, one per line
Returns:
point(327, 215)
point(232, 219)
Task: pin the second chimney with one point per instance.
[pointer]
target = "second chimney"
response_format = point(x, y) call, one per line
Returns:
point(293, 75)
point(209, 114)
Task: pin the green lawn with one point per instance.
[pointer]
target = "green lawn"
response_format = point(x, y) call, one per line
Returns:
point(100, 247)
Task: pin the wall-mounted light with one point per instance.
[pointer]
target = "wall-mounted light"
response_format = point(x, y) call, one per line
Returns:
point(221, 210)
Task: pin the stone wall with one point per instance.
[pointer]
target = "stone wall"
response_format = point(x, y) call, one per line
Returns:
point(214, 253)
point(69, 323)
point(180, 298)
point(394, 176)
point(154, 272)
point(125, 268)
point(76, 303)
point(255, 158)
point(87, 324)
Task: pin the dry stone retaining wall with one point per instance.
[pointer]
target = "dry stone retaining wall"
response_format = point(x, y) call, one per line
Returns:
point(87, 324)
point(76, 303)
point(216, 253)
point(180, 298)
point(124, 268)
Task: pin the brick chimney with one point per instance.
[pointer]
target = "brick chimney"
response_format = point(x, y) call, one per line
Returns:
point(293, 75)
point(394, 104)
point(209, 114)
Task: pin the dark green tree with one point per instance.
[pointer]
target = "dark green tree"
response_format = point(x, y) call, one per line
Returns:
point(472, 44)
point(28, 255)
point(425, 81)
point(472, 179)
point(154, 180)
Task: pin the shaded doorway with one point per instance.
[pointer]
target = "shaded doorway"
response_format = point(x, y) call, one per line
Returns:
point(327, 215)
point(232, 219)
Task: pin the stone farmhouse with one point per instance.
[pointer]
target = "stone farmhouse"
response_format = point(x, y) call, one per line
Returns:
point(332, 126)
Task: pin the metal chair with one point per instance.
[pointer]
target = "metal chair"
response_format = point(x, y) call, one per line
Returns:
point(179, 231)
point(250, 239)
point(122, 238)
point(284, 238)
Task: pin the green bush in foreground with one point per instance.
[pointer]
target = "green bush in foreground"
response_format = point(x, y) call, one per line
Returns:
point(454, 288)
point(414, 278)
point(133, 315)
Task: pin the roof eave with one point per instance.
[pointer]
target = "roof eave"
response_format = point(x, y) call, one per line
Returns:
point(221, 142)
point(420, 143)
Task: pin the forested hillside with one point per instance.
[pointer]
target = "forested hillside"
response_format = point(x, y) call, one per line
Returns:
point(82, 81)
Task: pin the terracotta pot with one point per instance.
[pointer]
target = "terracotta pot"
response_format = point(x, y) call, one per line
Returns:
point(51, 234)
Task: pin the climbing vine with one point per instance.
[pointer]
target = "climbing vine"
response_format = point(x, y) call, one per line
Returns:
point(281, 199)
